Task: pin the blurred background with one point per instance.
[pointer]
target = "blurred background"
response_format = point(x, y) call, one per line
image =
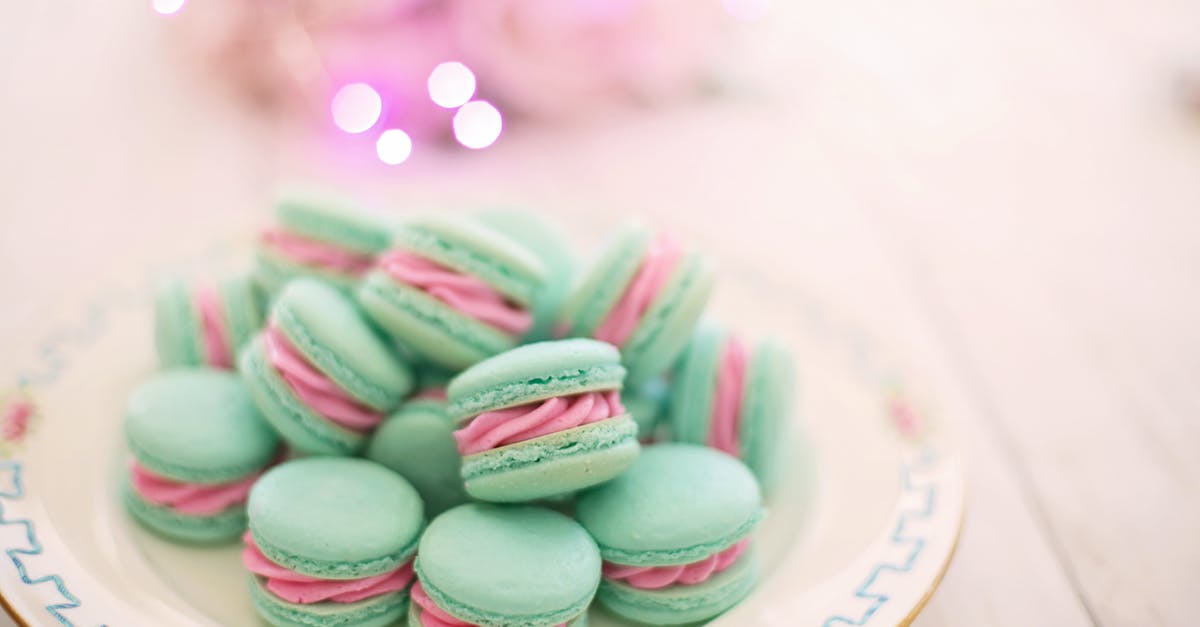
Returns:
point(1009, 191)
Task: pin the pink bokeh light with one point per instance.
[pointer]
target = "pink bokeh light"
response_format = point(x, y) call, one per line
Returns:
point(356, 108)
point(478, 124)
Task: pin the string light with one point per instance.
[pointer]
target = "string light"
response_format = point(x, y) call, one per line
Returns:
point(451, 85)
point(356, 107)
point(477, 124)
point(393, 146)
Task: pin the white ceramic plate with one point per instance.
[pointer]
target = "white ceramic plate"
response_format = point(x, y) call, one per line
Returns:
point(859, 535)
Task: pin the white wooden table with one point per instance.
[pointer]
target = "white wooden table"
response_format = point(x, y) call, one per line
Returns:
point(1004, 190)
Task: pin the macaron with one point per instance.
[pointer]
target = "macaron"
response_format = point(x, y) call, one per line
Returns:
point(735, 397)
point(418, 442)
point(648, 405)
point(674, 534)
point(644, 295)
point(453, 291)
point(550, 245)
point(322, 236)
point(542, 420)
point(319, 373)
point(198, 444)
point(504, 566)
point(205, 324)
point(331, 542)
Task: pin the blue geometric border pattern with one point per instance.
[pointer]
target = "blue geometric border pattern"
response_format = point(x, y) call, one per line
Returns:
point(52, 354)
point(899, 538)
point(34, 547)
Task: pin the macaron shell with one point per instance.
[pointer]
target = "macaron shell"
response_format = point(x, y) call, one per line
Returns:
point(469, 247)
point(679, 605)
point(541, 238)
point(377, 611)
point(596, 291)
point(679, 503)
point(241, 306)
point(302, 428)
point(418, 443)
point(535, 372)
point(667, 325)
point(331, 218)
point(198, 425)
point(508, 565)
point(335, 518)
point(414, 617)
point(553, 464)
point(435, 331)
point(694, 385)
point(224, 526)
point(767, 403)
point(326, 327)
point(176, 326)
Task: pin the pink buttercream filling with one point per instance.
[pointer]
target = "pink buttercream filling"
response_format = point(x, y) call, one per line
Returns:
point(315, 253)
point(193, 499)
point(214, 336)
point(725, 419)
point(653, 577)
point(433, 616)
point(660, 260)
point(317, 391)
point(464, 293)
point(516, 424)
point(294, 587)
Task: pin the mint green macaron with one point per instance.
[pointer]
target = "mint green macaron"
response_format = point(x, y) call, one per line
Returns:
point(320, 235)
point(506, 566)
point(550, 245)
point(431, 318)
point(337, 365)
point(767, 384)
point(570, 455)
point(664, 317)
point(418, 442)
point(680, 505)
point(337, 519)
point(196, 427)
point(205, 325)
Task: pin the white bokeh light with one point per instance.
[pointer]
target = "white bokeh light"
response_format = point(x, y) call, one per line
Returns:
point(393, 146)
point(356, 107)
point(451, 84)
point(477, 124)
point(167, 7)
point(747, 10)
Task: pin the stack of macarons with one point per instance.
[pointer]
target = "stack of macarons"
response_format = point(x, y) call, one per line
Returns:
point(537, 434)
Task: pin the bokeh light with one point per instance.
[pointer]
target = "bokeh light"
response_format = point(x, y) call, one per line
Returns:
point(356, 107)
point(747, 10)
point(451, 85)
point(393, 146)
point(477, 124)
point(167, 7)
